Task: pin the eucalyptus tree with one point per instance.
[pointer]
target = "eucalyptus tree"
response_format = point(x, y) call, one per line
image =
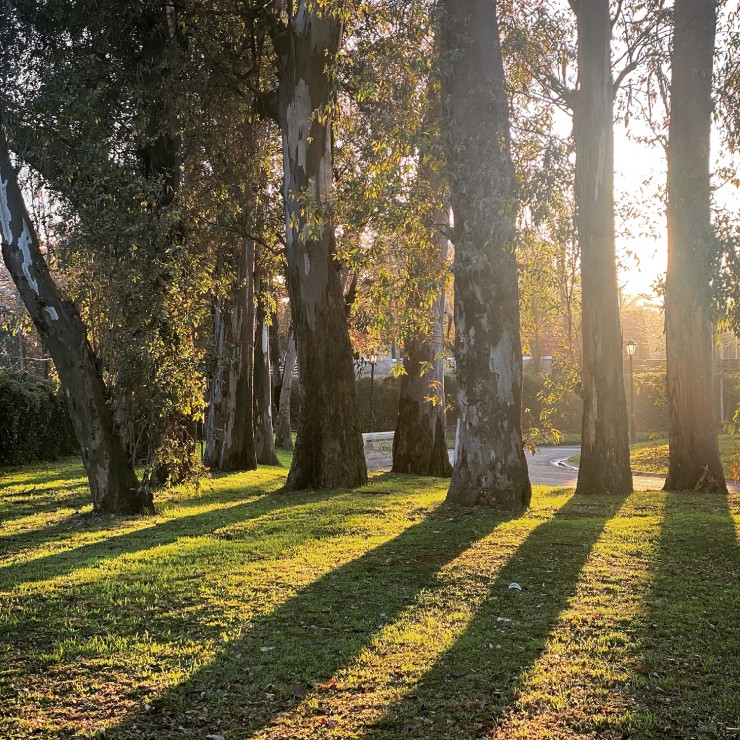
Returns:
point(95, 109)
point(113, 483)
point(264, 440)
point(605, 463)
point(694, 460)
point(283, 430)
point(329, 453)
point(229, 423)
point(490, 467)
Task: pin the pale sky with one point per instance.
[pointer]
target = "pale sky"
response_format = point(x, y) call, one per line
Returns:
point(639, 171)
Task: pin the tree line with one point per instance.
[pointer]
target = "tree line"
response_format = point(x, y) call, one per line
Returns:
point(206, 157)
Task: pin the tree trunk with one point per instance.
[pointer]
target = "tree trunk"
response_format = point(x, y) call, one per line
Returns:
point(275, 362)
point(490, 467)
point(420, 444)
point(263, 440)
point(113, 482)
point(605, 460)
point(420, 441)
point(283, 432)
point(329, 452)
point(694, 461)
point(230, 443)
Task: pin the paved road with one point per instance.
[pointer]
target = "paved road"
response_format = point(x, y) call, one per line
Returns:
point(549, 466)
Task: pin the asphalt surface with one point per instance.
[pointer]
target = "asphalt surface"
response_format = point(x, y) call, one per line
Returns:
point(549, 466)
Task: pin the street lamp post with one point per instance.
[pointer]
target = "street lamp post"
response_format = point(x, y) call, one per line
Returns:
point(631, 345)
point(373, 359)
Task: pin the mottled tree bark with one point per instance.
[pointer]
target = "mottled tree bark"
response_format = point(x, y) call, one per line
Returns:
point(329, 452)
point(605, 462)
point(230, 433)
point(264, 442)
point(694, 460)
point(113, 483)
point(283, 432)
point(490, 467)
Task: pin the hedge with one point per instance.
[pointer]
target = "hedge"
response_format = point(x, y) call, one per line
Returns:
point(34, 424)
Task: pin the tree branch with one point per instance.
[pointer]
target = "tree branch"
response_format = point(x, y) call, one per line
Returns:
point(631, 67)
point(617, 13)
point(567, 95)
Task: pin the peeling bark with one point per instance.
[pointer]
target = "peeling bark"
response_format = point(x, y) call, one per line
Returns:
point(283, 432)
point(605, 461)
point(329, 452)
point(694, 461)
point(263, 440)
point(230, 442)
point(490, 467)
point(113, 483)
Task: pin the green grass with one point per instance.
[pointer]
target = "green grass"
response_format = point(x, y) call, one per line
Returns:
point(382, 613)
point(652, 456)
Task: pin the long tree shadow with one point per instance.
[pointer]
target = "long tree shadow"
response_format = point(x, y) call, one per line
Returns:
point(312, 635)
point(470, 685)
point(145, 538)
point(689, 681)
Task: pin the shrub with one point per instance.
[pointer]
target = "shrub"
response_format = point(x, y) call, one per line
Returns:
point(34, 424)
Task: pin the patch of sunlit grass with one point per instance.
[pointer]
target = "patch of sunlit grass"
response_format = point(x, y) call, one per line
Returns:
point(652, 456)
point(245, 611)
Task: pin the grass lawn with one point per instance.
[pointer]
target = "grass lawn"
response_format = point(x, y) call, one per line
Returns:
point(380, 613)
point(652, 457)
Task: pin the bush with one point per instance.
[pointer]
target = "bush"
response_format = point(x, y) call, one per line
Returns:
point(34, 424)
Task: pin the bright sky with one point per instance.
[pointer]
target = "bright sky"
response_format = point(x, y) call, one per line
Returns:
point(639, 170)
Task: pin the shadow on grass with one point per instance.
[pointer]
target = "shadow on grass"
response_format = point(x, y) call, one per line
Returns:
point(151, 536)
point(689, 683)
point(466, 690)
point(307, 639)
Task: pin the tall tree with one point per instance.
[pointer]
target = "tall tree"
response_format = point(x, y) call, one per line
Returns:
point(283, 432)
point(490, 467)
point(605, 464)
point(115, 158)
point(113, 482)
point(264, 441)
point(694, 460)
point(329, 451)
point(230, 439)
